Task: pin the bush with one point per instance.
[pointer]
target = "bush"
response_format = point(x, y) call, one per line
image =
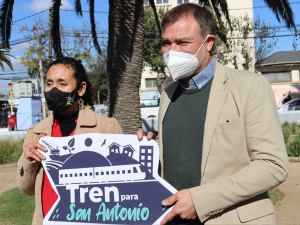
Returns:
point(10, 150)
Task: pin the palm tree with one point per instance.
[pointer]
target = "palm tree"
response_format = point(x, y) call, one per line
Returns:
point(6, 60)
point(125, 46)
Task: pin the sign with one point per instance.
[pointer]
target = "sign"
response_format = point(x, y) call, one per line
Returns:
point(105, 179)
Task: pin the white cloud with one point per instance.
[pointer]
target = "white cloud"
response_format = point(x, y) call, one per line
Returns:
point(16, 62)
point(39, 5)
point(17, 48)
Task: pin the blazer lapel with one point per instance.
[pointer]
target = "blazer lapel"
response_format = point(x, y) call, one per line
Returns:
point(217, 96)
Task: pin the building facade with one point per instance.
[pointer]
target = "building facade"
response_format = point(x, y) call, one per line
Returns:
point(282, 71)
point(26, 88)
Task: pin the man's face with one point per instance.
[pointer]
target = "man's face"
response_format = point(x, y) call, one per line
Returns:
point(185, 36)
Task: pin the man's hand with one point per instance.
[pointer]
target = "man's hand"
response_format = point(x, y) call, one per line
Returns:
point(184, 206)
point(140, 134)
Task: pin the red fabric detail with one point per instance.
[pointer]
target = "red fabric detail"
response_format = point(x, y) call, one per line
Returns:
point(49, 196)
point(12, 121)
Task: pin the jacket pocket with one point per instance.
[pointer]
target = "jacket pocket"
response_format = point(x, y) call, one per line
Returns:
point(254, 208)
point(231, 125)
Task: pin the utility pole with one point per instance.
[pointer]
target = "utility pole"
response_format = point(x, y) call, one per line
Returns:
point(42, 87)
point(50, 40)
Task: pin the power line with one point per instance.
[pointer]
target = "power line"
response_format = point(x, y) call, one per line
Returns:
point(256, 7)
point(82, 11)
point(30, 16)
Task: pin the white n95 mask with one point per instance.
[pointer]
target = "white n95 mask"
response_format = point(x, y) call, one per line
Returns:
point(182, 64)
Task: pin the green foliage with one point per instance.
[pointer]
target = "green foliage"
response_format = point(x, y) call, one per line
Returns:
point(265, 41)
point(291, 135)
point(273, 195)
point(152, 43)
point(16, 207)
point(97, 74)
point(240, 42)
point(10, 150)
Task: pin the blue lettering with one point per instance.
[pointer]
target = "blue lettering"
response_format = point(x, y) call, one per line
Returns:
point(71, 217)
point(145, 211)
point(101, 213)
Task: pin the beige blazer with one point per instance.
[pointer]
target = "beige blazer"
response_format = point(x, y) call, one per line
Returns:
point(30, 174)
point(241, 159)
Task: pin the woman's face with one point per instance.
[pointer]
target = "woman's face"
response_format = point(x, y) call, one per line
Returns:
point(61, 77)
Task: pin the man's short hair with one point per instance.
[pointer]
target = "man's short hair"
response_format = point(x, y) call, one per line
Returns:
point(201, 14)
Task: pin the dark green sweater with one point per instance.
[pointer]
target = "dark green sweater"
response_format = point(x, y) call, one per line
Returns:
point(183, 129)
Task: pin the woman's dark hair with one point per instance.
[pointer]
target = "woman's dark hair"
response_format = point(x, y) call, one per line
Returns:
point(201, 14)
point(79, 74)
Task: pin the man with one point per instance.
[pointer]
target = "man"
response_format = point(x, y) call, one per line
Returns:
point(220, 137)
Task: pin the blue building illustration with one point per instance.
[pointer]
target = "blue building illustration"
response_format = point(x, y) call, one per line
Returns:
point(114, 148)
point(146, 157)
point(128, 150)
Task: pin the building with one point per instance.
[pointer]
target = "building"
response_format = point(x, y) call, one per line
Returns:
point(146, 157)
point(282, 71)
point(128, 150)
point(114, 148)
point(236, 8)
point(26, 88)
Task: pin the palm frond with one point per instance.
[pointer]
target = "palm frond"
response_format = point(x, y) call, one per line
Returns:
point(78, 8)
point(155, 15)
point(55, 31)
point(6, 60)
point(5, 21)
point(92, 20)
point(1, 64)
point(282, 9)
point(224, 8)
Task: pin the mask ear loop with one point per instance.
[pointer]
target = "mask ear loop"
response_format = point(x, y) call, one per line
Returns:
point(200, 47)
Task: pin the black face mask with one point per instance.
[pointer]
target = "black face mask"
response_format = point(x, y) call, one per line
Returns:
point(58, 100)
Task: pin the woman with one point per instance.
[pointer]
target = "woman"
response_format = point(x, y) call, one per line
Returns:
point(67, 88)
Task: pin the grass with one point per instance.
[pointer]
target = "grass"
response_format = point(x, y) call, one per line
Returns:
point(16, 207)
point(273, 195)
point(291, 135)
point(10, 150)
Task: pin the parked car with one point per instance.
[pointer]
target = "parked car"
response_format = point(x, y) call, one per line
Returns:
point(291, 105)
point(149, 107)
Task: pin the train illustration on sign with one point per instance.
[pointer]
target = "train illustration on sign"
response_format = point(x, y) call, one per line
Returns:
point(101, 174)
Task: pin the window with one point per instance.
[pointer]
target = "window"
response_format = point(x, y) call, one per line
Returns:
point(66, 175)
point(61, 176)
point(130, 153)
point(149, 150)
point(149, 157)
point(277, 77)
point(143, 150)
point(71, 175)
point(150, 83)
point(75, 174)
point(118, 171)
point(112, 150)
point(123, 171)
point(129, 171)
point(97, 173)
point(182, 1)
point(149, 164)
point(102, 173)
point(142, 157)
point(146, 2)
point(80, 174)
point(126, 152)
point(107, 172)
point(112, 172)
point(160, 2)
point(85, 174)
point(91, 174)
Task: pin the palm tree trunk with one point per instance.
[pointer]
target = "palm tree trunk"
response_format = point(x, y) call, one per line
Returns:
point(125, 61)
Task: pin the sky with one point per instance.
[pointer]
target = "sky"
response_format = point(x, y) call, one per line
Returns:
point(27, 8)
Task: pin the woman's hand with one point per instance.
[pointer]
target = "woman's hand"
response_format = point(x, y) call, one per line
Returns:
point(31, 153)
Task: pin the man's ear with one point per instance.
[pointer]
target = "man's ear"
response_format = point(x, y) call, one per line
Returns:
point(82, 89)
point(210, 42)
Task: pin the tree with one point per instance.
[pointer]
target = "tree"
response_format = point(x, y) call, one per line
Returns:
point(76, 43)
point(246, 33)
point(152, 46)
point(265, 40)
point(97, 73)
point(5, 59)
